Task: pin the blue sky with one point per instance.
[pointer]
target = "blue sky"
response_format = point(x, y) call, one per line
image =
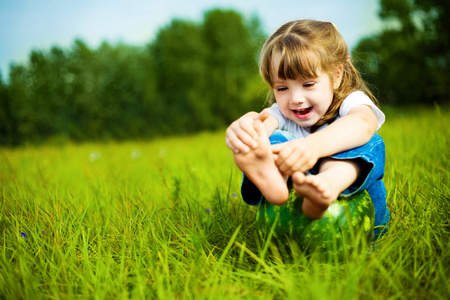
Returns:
point(40, 24)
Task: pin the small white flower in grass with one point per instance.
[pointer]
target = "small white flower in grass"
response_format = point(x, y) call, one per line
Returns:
point(94, 156)
point(136, 154)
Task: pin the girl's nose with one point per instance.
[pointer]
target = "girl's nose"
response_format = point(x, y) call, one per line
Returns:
point(297, 97)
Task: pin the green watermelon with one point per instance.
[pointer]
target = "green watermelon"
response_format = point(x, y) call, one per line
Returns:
point(348, 223)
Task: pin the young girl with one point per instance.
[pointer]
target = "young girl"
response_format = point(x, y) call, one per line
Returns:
point(323, 121)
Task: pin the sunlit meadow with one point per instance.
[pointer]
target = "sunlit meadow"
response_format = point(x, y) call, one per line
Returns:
point(164, 219)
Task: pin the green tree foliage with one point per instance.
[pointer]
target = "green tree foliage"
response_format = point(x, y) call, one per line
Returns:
point(193, 76)
point(8, 123)
point(231, 62)
point(409, 61)
point(81, 94)
point(204, 71)
point(178, 53)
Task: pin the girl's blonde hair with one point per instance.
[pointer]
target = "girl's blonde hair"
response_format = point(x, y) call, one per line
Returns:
point(307, 47)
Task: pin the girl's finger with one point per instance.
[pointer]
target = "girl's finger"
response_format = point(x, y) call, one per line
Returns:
point(246, 139)
point(259, 128)
point(276, 148)
point(246, 124)
point(230, 145)
point(239, 147)
point(235, 143)
point(298, 177)
point(263, 115)
point(285, 160)
point(299, 166)
point(245, 132)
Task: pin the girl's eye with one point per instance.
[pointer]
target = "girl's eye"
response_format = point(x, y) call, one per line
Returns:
point(309, 84)
point(281, 89)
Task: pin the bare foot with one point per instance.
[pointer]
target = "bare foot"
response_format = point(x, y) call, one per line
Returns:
point(320, 190)
point(259, 166)
point(318, 193)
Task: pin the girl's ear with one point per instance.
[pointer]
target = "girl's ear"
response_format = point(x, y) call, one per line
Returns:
point(338, 76)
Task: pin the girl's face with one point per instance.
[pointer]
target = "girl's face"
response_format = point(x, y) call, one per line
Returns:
point(302, 101)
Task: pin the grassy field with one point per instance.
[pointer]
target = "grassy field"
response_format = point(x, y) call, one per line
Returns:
point(164, 219)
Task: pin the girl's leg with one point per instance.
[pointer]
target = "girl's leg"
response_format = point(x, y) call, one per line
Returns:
point(371, 159)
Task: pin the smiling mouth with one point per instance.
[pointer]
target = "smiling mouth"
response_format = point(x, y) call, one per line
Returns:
point(302, 112)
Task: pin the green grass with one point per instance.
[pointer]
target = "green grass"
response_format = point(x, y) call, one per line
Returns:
point(130, 220)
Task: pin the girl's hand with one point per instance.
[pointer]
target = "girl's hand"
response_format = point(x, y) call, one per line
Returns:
point(295, 155)
point(241, 135)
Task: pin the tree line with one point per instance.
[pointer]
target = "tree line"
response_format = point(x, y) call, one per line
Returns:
point(193, 76)
point(203, 75)
point(409, 60)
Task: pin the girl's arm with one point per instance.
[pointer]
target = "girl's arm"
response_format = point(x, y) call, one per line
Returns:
point(241, 135)
point(353, 130)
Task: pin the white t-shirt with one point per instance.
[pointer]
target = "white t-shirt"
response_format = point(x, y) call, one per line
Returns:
point(352, 100)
